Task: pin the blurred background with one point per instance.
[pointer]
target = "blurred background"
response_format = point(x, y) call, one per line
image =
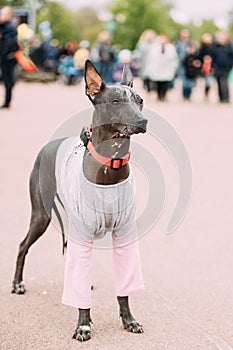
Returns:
point(60, 35)
point(181, 55)
point(78, 20)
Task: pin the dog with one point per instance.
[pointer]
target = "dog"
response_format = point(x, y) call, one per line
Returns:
point(104, 164)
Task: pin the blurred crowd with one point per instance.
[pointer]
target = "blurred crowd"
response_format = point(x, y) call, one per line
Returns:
point(68, 61)
point(156, 60)
point(163, 62)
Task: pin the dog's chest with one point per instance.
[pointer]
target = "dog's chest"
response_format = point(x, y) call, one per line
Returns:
point(92, 209)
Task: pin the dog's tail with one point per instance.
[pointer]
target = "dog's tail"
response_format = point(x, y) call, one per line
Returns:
point(59, 218)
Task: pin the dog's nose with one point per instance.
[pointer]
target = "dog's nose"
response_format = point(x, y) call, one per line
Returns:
point(142, 124)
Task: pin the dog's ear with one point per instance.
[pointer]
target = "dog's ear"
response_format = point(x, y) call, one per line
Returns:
point(127, 76)
point(94, 81)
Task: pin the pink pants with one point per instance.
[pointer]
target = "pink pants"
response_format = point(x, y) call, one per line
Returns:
point(77, 282)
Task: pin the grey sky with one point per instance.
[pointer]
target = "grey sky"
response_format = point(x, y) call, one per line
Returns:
point(200, 9)
point(184, 9)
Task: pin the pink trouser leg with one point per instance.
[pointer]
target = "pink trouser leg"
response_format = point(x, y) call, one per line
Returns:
point(127, 264)
point(77, 281)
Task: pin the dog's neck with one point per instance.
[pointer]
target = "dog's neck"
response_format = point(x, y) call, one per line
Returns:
point(107, 145)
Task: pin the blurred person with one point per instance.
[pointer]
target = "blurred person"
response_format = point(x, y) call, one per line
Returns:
point(192, 69)
point(181, 46)
point(124, 57)
point(161, 65)
point(103, 56)
point(205, 55)
point(66, 65)
point(140, 54)
point(36, 52)
point(25, 36)
point(222, 63)
point(8, 47)
point(50, 55)
point(81, 55)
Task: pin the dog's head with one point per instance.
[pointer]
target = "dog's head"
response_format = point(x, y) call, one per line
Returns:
point(118, 107)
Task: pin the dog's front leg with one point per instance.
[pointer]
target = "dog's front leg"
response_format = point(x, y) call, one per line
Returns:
point(83, 329)
point(129, 322)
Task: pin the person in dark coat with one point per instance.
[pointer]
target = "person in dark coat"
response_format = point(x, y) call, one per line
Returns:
point(182, 44)
point(205, 55)
point(192, 68)
point(222, 64)
point(8, 47)
point(103, 55)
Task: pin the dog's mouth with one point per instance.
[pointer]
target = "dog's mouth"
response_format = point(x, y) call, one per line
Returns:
point(121, 135)
point(127, 131)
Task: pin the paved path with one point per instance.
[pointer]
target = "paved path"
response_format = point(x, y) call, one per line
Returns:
point(188, 302)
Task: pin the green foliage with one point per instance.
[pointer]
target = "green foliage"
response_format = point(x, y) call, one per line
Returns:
point(131, 18)
point(134, 16)
point(12, 3)
point(87, 24)
point(61, 20)
point(67, 25)
point(230, 26)
point(18, 3)
point(137, 15)
point(206, 26)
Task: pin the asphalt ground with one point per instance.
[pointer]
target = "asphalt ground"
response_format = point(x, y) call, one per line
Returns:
point(188, 302)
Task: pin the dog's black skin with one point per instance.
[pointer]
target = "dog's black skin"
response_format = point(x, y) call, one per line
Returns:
point(117, 115)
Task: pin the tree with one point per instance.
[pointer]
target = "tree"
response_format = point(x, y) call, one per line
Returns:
point(206, 26)
point(18, 3)
point(67, 25)
point(61, 20)
point(230, 25)
point(87, 24)
point(12, 3)
point(134, 16)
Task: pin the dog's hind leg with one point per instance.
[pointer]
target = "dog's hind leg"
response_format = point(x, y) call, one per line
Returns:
point(129, 322)
point(42, 192)
point(40, 220)
point(39, 223)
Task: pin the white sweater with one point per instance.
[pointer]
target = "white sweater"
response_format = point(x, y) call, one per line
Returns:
point(161, 66)
point(92, 209)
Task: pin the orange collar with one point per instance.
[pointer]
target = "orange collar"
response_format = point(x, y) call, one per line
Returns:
point(113, 163)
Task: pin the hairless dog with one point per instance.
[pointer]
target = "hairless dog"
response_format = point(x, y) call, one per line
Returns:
point(98, 163)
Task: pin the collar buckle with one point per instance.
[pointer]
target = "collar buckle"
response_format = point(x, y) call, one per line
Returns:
point(116, 163)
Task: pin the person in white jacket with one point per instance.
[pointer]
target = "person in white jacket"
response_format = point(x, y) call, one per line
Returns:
point(161, 64)
point(145, 41)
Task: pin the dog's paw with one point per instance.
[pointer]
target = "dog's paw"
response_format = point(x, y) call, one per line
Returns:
point(18, 288)
point(82, 333)
point(133, 327)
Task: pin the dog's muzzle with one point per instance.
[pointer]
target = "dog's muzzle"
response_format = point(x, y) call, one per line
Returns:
point(139, 127)
point(142, 125)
